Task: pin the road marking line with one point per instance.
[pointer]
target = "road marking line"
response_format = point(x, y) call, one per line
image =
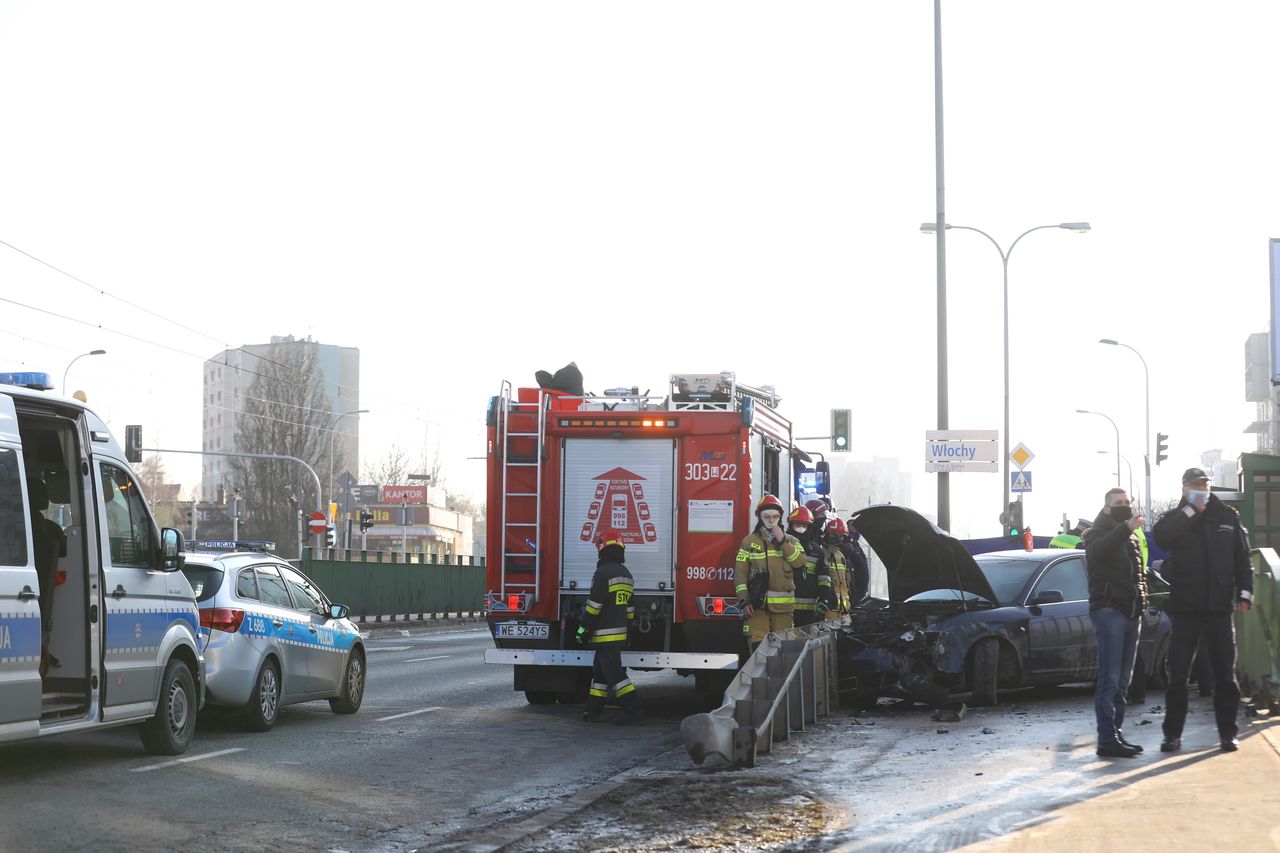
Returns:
point(408, 714)
point(188, 759)
point(388, 649)
point(419, 660)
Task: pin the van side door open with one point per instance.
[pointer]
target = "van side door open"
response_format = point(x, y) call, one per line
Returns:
point(19, 606)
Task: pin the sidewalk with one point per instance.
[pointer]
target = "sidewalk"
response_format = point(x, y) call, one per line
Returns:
point(414, 627)
point(1196, 799)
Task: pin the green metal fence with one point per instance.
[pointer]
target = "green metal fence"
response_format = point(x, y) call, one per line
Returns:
point(375, 583)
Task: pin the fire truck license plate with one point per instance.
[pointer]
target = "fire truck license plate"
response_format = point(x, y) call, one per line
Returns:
point(522, 631)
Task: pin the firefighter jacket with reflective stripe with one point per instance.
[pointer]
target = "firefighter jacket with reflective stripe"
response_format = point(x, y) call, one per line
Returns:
point(812, 581)
point(775, 560)
point(609, 608)
point(839, 573)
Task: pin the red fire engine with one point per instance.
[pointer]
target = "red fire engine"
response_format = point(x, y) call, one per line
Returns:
point(677, 475)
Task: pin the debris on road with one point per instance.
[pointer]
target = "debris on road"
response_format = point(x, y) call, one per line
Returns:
point(951, 715)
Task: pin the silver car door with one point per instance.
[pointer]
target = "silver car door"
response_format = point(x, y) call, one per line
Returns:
point(287, 629)
point(322, 650)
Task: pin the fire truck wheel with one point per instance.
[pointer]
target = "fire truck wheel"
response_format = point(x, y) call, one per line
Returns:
point(540, 697)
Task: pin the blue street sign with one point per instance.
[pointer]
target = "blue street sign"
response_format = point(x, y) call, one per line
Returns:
point(1019, 481)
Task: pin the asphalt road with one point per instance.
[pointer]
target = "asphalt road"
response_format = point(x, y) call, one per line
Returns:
point(441, 747)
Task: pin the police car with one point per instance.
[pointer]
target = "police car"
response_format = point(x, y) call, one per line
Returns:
point(270, 637)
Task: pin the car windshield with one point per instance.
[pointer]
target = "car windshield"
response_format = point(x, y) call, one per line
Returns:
point(1008, 576)
point(945, 595)
point(204, 580)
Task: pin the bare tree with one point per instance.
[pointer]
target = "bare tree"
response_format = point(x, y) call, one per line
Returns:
point(392, 469)
point(286, 412)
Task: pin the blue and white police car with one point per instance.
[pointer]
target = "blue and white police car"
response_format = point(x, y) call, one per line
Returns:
point(270, 637)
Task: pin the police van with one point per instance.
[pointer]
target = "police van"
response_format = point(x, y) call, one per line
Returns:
point(98, 627)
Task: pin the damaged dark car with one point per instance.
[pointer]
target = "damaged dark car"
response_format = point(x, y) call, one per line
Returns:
point(955, 623)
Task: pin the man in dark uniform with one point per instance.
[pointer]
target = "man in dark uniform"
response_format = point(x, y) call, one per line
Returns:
point(813, 584)
point(856, 561)
point(1209, 576)
point(603, 629)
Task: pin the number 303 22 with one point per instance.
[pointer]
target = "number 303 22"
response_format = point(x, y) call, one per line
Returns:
point(710, 471)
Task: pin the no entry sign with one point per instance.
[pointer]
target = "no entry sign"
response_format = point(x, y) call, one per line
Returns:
point(317, 523)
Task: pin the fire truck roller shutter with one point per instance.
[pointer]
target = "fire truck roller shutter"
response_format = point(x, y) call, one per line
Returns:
point(643, 516)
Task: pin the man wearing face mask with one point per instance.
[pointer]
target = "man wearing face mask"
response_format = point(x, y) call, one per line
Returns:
point(813, 581)
point(764, 573)
point(1209, 576)
point(1117, 597)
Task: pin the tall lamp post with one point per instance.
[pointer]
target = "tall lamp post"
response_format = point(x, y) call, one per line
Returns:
point(1146, 459)
point(1117, 429)
point(332, 432)
point(73, 361)
point(1127, 464)
point(1078, 227)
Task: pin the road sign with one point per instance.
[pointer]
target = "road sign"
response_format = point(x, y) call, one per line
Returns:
point(346, 481)
point(346, 502)
point(317, 523)
point(1020, 481)
point(961, 450)
point(1021, 455)
point(367, 494)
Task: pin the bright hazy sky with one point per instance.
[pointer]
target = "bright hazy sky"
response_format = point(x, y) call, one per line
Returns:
point(470, 191)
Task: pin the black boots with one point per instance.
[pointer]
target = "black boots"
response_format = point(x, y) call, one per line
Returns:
point(630, 716)
point(1123, 742)
point(1116, 749)
point(1171, 744)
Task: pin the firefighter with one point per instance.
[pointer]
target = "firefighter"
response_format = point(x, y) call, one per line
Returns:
point(819, 507)
point(855, 560)
point(813, 585)
point(837, 534)
point(763, 573)
point(603, 628)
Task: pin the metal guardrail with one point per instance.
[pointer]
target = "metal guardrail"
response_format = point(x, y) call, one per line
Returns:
point(789, 681)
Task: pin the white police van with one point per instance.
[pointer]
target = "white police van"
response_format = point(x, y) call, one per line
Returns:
point(98, 627)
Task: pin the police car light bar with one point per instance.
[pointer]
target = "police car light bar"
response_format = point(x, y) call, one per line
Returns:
point(34, 380)
point(231, 545)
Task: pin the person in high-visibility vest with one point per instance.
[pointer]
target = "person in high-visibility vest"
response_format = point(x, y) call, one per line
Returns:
point(603, 629)
point(764, 573)
point(836, 535)
point(813, 584)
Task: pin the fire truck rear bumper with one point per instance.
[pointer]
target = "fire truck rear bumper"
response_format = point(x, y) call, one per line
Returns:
point(635, 660)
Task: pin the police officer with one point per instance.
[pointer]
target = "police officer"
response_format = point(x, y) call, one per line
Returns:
point(856, 561)
point(813, 584)
point(764, 573)
point(603, 629)
point(836, 535)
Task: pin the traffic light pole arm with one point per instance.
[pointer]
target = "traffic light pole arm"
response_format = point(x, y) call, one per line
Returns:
point(312, 471)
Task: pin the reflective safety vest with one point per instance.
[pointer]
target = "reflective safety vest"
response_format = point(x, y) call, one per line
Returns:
point(812, 581)
point(609, 610)
point(838, 574)
point(775, 559)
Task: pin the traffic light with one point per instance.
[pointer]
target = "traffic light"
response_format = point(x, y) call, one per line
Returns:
point(366, 519)
point(1162, 447)
point(840, 419)
point(331, 536)
point(133, 442)
point(1013, 518)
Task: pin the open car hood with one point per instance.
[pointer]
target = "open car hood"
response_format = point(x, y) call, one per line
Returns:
point(918, 556)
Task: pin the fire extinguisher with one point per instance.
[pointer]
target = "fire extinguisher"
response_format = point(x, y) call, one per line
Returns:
point(1027, 542)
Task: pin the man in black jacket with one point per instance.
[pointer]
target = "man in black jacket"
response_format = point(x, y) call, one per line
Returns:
point(1209, 575)
point(1117, 597)
point(603, 628)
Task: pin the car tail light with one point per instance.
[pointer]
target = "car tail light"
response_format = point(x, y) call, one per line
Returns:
point(717, 605)
point(60, 577)
point(221, 618)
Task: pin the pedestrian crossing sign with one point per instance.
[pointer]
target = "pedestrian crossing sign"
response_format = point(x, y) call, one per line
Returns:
point(1019, 481)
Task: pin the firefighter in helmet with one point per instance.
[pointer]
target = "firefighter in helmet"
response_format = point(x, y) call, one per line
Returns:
point(813, 584)
point(819, 507)
point(604, 623)
point(763, 572)
point(837, 534)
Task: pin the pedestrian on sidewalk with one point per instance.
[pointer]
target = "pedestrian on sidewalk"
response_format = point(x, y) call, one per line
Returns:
point(1117, 597)
point(1209, 576)
point(603, 628)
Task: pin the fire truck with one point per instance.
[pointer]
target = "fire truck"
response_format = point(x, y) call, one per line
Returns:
point(677, 475)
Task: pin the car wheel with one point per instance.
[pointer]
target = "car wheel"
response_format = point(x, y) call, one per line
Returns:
point(986, 671)
point(540, 697)
point(171, 729)
point(352, 693)
point(264, 704)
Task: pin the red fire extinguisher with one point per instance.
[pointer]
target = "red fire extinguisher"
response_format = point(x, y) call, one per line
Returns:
point(1027, 542)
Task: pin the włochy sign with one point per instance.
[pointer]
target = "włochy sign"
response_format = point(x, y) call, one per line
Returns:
point(960, 451)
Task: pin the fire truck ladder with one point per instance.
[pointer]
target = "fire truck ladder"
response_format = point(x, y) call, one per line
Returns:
point(523, 439)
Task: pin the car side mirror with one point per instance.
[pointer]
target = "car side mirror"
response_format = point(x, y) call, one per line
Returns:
point(822, 477)
point(338, 611)
point(171, 548)
point(1049, 596)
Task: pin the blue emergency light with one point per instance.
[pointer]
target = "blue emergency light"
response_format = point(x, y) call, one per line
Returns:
point(32, 379)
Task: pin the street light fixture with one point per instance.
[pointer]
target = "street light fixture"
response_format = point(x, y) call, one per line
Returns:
point(1117, 429)
point(1146, 459)
point(332, 432)
point(1079, 228)
point(1127, 465)
point(73, 361)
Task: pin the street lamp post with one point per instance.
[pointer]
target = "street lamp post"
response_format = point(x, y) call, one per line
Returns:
point(1117, 429)
point(1128, 466)
point(1146, 459)
point(73, 361)
point(1078, 227)
point(332, 432)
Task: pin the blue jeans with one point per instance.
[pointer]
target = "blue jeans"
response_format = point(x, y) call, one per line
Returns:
point(1117, 637)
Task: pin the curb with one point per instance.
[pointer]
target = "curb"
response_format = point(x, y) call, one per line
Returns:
point(398, 618)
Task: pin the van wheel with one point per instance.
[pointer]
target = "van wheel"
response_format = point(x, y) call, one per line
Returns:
point(986, 671)
point(170, 731)
point(352, 694)
point(540, 697)
point(263, 707)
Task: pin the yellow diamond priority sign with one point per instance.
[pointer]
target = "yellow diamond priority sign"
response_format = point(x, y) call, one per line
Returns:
point(1021, 455)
